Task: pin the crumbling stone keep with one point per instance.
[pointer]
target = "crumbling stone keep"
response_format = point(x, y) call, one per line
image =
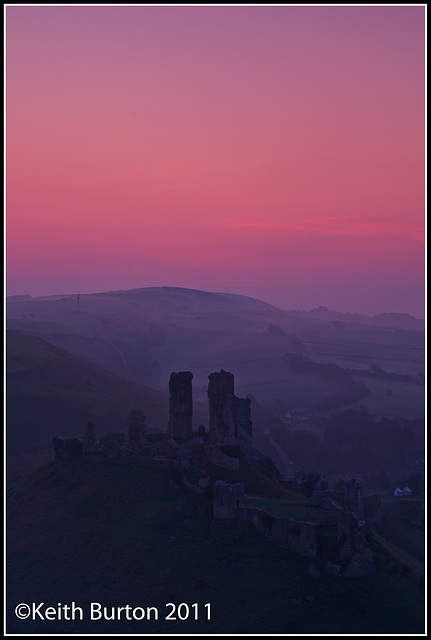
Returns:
point(180, 406)
point(221, 406)
point(228, 499)
point(230, 416)
point(349, 495)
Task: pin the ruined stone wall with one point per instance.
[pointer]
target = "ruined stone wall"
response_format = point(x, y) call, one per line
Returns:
point(67, 448)
point(230, 416)
point(295, 535)
point(228, 500)
point(180, 406)
point(221, 406)
point(113, 445)
point(292, 534)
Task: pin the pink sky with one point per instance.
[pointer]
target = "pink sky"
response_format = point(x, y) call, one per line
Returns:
point(276, 152)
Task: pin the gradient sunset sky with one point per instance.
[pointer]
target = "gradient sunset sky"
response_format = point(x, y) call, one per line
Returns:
point(275, 152)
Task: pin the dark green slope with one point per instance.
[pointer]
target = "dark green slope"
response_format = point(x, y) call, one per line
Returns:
point(122, 532)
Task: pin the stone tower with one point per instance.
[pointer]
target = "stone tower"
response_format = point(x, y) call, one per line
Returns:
point(137, 430)
point(228, 500)
point(230, 416)
point(180, 406)
point(221, 406)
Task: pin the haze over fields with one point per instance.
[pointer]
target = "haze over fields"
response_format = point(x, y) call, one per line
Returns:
point(95, 357)
point(236, 195)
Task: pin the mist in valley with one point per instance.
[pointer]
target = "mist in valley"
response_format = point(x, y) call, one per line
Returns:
point(339, 392)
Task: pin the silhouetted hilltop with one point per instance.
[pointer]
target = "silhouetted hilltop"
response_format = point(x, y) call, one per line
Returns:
point(404, 320)
point(18, 298)
point(191, 300)
point(396, 320)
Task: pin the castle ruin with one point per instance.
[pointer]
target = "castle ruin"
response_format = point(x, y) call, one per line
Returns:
point(180, 406)
point(221, 407)
point(230, 416)
point(229, 445)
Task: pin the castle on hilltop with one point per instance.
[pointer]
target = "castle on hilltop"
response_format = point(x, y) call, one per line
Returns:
point(228, 444)
point(228, 441)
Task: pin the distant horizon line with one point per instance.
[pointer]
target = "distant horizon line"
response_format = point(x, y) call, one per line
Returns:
point(323, 308)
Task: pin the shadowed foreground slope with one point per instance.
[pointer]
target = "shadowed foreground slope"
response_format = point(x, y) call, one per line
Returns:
point(53, 393)
point(122, 532)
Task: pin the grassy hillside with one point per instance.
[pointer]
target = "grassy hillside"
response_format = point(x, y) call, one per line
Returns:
point(121, 532)
point(144, 334)
point(53, 393)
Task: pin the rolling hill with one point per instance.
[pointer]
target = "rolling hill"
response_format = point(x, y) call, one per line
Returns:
point(53, 393)
point(142, 335)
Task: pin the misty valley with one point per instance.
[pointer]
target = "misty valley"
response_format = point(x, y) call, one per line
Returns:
point(212, 448)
